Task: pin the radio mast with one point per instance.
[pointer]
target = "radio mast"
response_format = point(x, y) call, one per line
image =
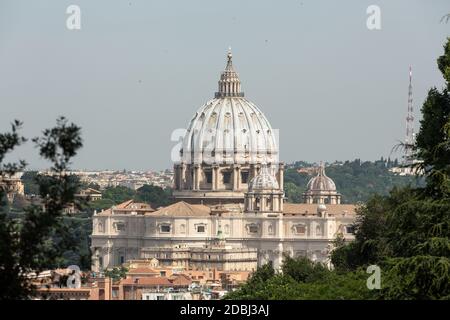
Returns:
point(409, 139)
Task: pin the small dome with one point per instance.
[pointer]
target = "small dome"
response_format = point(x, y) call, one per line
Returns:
point(321, 182)
point(263, 181)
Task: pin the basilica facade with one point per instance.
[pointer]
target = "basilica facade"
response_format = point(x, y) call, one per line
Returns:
point(229, 210)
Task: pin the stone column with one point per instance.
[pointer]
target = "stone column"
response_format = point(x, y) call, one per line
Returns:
point(215, 177)
point(194, 177)
point(236, 177)
point(249, 199)
point(281, 175)
point(197, 176)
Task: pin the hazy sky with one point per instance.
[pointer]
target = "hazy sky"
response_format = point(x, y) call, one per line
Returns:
point(137, 70)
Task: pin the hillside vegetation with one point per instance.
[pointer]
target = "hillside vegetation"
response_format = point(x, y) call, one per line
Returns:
point(357, 181)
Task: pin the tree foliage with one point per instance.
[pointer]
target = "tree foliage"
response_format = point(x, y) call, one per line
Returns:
point(405, 232)
point(38, 240)
point(154, 195)
point(408, 231)
point(302, 279)
point(116, 273)
point(357, 181)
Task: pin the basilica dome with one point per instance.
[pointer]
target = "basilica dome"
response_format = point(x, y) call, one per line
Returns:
point(321, 189)
point(229, 128)
point(321, 182)
point(225, 145)
point(263, 181)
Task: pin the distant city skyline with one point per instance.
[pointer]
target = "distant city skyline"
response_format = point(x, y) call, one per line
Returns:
point(138, 70)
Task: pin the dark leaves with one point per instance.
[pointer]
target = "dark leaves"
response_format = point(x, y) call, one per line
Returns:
point(38, 240)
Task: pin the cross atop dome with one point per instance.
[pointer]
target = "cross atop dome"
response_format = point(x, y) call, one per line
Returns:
point(229, 66)
point(229, 83)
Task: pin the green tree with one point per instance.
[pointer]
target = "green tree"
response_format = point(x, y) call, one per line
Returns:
point(357, 181)
point(39, 239)
point(303, 270)
point(118, 194)
point(293, 192)
point(29, 182)
point(408, 231)
point(303, 279)
point(154, 195)
point(116, 273)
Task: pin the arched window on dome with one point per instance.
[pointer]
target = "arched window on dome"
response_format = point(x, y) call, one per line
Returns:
point(257, 203)
point(268, 203)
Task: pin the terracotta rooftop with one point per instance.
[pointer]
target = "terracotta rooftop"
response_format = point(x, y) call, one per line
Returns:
point(128, 207)
point(182, 209)
point(92, 190)
point(180, 280)
point(148, 281)
point(142, 270)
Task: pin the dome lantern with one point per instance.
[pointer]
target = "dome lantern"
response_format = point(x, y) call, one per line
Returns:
point(229, 83)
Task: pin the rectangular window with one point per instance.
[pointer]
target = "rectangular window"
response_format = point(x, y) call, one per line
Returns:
point(226, 177)
point(300, 229)
point(253, 228)
point(201, 229)
point(350, 229)
point(119, 226)
point(244, 176)
point(208, 175)
point(165, 228)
